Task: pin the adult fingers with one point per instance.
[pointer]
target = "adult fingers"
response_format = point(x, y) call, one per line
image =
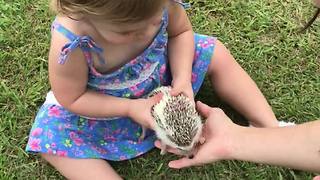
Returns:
point(203, 109)
point(182, 163)
point(156, 98)
point(157, 143)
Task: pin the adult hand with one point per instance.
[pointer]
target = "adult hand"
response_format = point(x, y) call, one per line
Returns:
point(217, 131)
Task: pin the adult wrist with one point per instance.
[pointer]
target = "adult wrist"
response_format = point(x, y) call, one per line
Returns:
point(237, 142)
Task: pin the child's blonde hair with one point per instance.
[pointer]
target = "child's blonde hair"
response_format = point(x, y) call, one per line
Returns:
point(116, 11)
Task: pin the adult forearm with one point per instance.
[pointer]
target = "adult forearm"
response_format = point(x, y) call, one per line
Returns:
point(181, 52)
point(294, 147)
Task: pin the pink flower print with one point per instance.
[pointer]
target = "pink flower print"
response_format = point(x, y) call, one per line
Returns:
point(73, 135)
point(132, 142)
point(147, 65)
point(75, 138)
point(206, 44)
point(122, 158)
point(101, 87)
point(49, 134)
point(54, 111)
point(116, 131)
point(78, 141)
point(92, 123)
point(133, 61)
point(62, 153)
point(162, 69)
point(136, 91)
point(53, 145)
point(35, 144)
point(133, 88)
point(100, 150)
point(193, 77)
point(117, 81)
point(79, 153)
point(87, 55)
point(50, 151)
point(196, 55)
point(60, 127)
point(211, 41)
point(68, 125)
point(36, 132)
point(110, 138)
point(139, 93)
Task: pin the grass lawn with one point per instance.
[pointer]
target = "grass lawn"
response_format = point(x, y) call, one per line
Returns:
point(262, 35)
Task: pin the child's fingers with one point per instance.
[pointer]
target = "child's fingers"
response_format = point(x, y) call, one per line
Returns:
point(156, 98)
point(157, 143)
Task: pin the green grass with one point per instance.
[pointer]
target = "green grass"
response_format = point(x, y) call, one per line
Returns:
point(262, 35)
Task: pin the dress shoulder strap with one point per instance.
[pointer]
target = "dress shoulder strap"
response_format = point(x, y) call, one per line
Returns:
point(84, 42)
point(183, 4)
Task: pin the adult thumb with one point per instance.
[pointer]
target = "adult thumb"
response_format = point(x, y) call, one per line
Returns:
point(203, 109)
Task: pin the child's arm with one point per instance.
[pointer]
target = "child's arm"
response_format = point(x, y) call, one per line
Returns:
point(69, 85)
point(181, 48)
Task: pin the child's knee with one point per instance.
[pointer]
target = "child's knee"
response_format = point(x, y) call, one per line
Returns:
point(221, 59)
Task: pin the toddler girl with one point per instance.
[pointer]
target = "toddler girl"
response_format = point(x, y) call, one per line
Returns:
point(105, 57)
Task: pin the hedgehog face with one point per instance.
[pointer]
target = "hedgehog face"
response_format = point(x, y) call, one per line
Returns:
point(189, 149)
point(177, 122)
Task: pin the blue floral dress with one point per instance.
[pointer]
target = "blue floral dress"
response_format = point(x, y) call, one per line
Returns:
point(60, 132)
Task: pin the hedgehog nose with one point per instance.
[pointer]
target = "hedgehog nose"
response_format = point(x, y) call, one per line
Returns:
point(191, 156)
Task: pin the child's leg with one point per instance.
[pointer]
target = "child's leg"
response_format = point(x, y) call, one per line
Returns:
point(78, 169)
point(235, 86)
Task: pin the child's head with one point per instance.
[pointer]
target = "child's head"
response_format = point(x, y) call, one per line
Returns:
point(116, 11)
point(118, 21)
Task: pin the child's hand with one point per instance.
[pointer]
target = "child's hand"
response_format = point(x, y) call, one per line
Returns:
point(182, 87)
point(140, 110)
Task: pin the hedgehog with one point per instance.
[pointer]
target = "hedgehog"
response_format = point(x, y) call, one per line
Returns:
point(177, 123)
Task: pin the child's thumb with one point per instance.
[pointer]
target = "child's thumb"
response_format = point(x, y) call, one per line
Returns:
point(203, 109)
